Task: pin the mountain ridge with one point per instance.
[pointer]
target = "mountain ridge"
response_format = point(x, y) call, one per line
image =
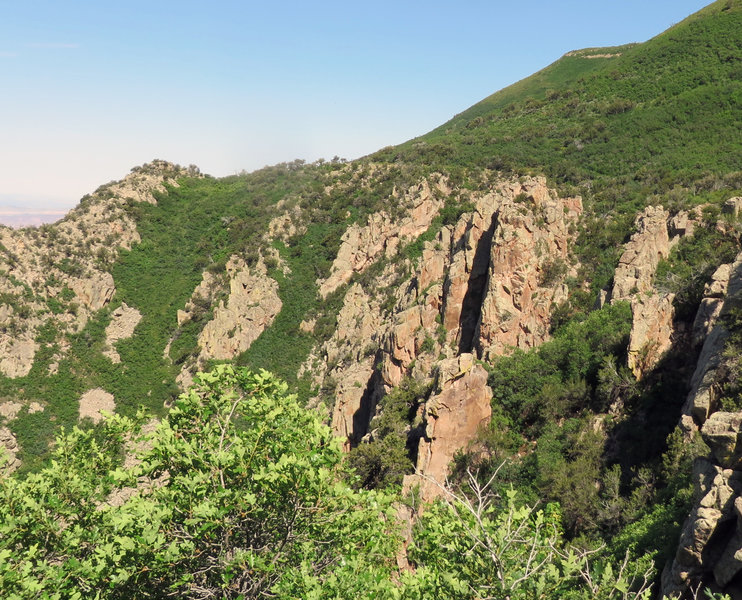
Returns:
point(532, 284)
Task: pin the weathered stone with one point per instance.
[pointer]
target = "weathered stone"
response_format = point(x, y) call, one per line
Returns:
point(350, 416)
point(711, 304)
point(17, 355)
point(642, 253)
point(123, 322)
point(94, 291)
point(361, 246)
point(712, 512)
point(47, 261)
point(705, 391)
point(252, 305)
point(9, 410)
point(94, 402)
point(9, 461)
point(721, 432)
point(651, 331)
point(201, 297)
point(528, 260)
point(732, 206)
point(452, 416)
point(681, 225)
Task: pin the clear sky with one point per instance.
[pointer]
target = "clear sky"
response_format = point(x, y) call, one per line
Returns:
point(90, 89)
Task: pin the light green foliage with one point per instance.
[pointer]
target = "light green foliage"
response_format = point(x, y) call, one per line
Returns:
point(476, 544)
point(238, 495)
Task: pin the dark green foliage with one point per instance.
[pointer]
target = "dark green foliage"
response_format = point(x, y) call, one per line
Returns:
point(619, 130)
point(691, 264)
point(389, 455)
point(561, 377)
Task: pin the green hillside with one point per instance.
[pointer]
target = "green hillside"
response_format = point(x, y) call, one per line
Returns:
point(582, 468)
point(658, 123)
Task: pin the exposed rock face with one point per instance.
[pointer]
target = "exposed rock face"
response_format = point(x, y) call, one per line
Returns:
point(202, 297)
point(145, 181)
point(452, 416)
point(653, 313)
point(732, 206)
point(9, 410)
point(252, 305)
point(638, 263)
point(94, 291)
point(285, 225)
point(17, 355)
point(355, 401)
point(249, 307)
point(361, 246)
point(711, 304)
point(711, 542)
point(93, 402)
point(651, 331)
point(351, 366)
point(123, 322)
point(58, 273)
point(704, 392)
point(528, 260)
point(8, 451)
point(722, 433)
point(436, 311)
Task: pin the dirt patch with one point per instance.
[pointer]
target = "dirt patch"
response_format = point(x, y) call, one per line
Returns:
point(93, 402)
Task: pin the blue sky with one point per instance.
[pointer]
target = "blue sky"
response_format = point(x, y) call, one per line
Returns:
point(91, 89)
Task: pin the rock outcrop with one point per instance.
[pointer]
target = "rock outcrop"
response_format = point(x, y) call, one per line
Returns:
point(452, 417)
point(244, 311)
point(9, 460)
point(710, 543)
point(124, 320)
point(711, 304)
point(704, 394)
point(653, 312)
point(529, 259)
point(17, 354)
point(361, 246)
point(58, 274)
point(638, 263)
point(94, 402)
point(485, 284)
point(251, 306)
point(710, 547)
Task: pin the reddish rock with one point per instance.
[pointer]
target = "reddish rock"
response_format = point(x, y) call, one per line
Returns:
point(453, 416)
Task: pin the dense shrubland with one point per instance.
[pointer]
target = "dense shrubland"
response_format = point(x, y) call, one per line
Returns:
point(238, 493)
point(576, 488)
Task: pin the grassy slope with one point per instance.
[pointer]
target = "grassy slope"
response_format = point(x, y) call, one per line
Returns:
point(665, 112)
point(559, 75)
point(657, 124)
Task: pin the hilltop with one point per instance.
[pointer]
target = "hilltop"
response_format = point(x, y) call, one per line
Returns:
point(545, 289)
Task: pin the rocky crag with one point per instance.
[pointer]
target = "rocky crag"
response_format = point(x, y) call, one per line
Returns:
point(710, 547)
point(59, 274)
point(484, 285)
